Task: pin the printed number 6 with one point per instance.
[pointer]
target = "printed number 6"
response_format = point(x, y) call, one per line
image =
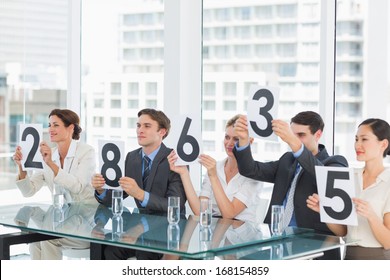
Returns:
point(185, 138)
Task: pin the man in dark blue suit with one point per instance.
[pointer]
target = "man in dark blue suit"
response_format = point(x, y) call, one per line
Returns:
point(302, 135)
point(151, 193)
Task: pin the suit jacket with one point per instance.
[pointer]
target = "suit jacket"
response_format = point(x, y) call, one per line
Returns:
point(161, 184)
point(75, 176)
point(281, 173)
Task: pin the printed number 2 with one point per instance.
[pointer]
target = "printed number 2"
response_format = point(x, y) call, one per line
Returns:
point(113, 164)
point(30, 163)
point(331, 192)
point(264, 111)
point(185, 138)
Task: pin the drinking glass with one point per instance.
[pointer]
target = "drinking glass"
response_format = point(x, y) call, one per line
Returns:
point(173, 233)
point(277, 219)
point(173, 215)
point(58, 217)
point(277, 252)
point(205, 236)
point(205, 212)
point(117, 227)
point(58, 196)
point(117, 202)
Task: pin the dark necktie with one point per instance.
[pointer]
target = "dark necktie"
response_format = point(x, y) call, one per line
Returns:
point(146, 171)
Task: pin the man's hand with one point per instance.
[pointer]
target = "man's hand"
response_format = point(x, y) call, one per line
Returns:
point(283, 130)
point(130, 186)
point(98, 183)
point(241, 128)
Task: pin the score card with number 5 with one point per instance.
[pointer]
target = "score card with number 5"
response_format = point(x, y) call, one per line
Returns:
point(335, 189)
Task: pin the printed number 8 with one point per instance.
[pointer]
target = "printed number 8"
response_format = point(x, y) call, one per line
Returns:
point(113, 164)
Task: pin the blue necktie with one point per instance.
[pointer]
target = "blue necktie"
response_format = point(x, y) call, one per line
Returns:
point(289, 209)
point(146, 171)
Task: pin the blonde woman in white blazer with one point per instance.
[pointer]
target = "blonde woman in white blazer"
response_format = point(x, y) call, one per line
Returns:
point(71, 164)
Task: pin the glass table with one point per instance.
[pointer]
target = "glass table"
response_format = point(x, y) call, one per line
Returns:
point(224, 239)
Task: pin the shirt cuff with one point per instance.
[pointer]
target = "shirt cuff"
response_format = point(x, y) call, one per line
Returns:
point(145, 224)
point(144, 203)
point(299, 152)
point(102, 195)
point(241, 148)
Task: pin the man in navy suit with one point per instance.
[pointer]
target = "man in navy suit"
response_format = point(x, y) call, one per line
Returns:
point(150, 194)
point(302, 135)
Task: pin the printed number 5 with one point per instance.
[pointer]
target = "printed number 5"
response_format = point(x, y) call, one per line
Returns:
point(331, 192)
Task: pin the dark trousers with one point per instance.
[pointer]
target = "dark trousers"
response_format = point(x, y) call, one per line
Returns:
point(119, 253)
point(334, 254)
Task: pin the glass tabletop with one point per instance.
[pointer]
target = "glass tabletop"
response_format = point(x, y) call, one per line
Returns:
point(147, 231)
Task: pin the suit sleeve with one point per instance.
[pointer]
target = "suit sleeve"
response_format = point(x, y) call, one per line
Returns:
point(308, 162)
point(248, 167)
point(159, 201)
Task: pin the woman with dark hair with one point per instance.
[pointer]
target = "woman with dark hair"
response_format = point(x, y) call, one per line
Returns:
point(70, 164)
point(372, 201)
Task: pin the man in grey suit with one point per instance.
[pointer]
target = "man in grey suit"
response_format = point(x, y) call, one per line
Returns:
point(151, 191)
point(302, 135)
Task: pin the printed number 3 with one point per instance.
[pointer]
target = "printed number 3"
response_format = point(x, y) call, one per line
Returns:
point(264, 111)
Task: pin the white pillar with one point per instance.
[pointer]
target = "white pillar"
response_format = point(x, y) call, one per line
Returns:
point(327, 71)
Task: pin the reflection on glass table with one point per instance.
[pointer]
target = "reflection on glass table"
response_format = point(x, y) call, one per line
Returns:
point(228, 239)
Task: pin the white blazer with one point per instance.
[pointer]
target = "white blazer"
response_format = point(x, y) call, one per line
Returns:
point(75, 176)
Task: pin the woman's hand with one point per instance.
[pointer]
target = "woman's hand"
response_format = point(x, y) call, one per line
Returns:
point(363, 208)
point(209, 163)
point(172, 158)
point(46, 152)
point(313, 202)
point(17, 158)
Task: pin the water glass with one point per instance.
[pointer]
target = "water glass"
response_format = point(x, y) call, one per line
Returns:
point(117, 202)
point(205, 212)
point(277, 252)
point(277, 219)
point(173, 215)
point(117, 227)
point(58, 196)
point(173, 233)
point(205, 236)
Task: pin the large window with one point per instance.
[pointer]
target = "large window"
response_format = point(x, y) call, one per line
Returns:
point(33, 70)
point(124, 46)
point(125, 59)
point(362, 69)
